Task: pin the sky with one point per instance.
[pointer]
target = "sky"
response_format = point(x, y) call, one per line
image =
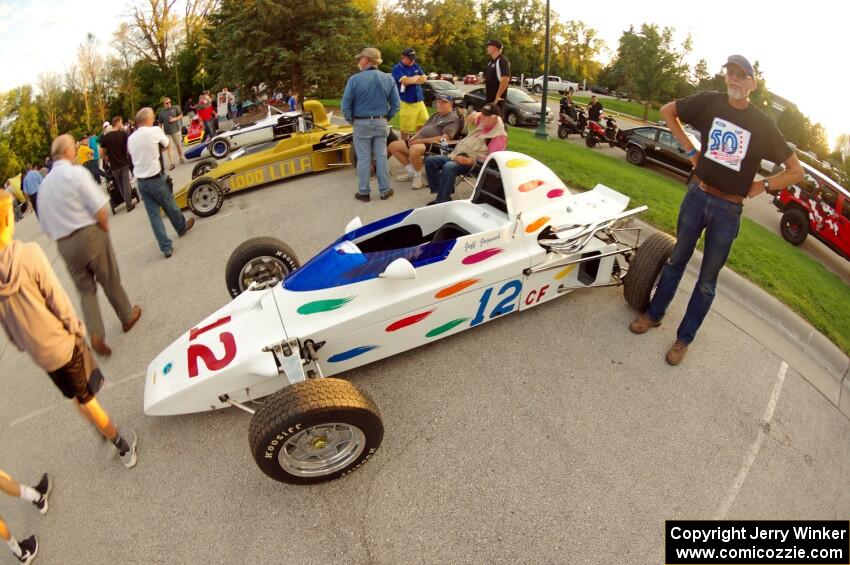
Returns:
point(801, 51)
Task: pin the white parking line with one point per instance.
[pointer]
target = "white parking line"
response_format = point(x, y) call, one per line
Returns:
point(756, 446)
point(37, 413)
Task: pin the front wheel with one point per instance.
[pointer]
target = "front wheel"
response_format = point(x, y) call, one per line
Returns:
point(563, 131)
point(205, 197)
point(204, 167)
point(315, 431)
point(263, 261)
point(538, 89)
point(219, 148)
point(645, 269)
point(794, 226)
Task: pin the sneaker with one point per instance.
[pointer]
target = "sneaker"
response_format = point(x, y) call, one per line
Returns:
point(189, 223)
point(362, 197)
point(29, 549)
point(387, 194)
point(44, 486)
point(677, 353)
point(642, 324)
point(404, 177)
point(128, 325)
point(129, 457)
point(417, 182)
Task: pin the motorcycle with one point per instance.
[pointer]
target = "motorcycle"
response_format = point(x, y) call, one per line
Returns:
point(596, 133)
point(572, 124)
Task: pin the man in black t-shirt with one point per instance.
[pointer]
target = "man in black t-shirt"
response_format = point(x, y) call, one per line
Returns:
point(594, 109)
point(115, 155)
point(497, 75)
point(736, 136)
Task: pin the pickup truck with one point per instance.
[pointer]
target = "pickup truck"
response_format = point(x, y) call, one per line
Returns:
point(555, 83)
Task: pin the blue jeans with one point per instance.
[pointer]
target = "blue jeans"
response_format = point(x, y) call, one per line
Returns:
point(155, 194)
point(720, 219)
point(442, 172)
point(370, 142)
point(209, 129)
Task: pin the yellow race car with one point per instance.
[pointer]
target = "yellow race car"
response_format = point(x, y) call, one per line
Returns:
point(316, 145)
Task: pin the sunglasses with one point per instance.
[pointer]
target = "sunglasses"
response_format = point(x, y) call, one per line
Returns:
point(736, 73)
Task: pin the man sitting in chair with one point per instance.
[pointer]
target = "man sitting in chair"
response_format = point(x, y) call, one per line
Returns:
point(488, 137)
point(444, 124)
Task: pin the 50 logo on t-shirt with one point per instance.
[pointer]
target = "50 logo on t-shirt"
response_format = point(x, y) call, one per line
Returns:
point(728, 144)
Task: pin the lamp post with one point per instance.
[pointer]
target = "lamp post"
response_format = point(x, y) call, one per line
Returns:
point(541, 127)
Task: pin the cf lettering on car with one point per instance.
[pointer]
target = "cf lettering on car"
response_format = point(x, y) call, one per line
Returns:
point(202, 352)
point(535, 296)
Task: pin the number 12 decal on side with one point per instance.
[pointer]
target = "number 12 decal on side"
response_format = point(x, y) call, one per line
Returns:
point(509, 293)
point(202, 352)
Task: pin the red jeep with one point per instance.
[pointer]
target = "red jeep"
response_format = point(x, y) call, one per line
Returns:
point(818, 206)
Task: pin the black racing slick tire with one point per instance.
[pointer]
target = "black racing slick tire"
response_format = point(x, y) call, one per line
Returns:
point(794, 226)
point(203, 167)
point(265, 261)
point(205, 197)
point(645, 269)
point(315, 430)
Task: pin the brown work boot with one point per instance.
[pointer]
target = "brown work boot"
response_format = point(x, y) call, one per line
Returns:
point(128, 325)
point(189, 223)
point(100, 346)
point(677, 353)
point(642, 324)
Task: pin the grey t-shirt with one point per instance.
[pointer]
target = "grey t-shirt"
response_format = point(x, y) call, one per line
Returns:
point(438, 125)
point(164, 114)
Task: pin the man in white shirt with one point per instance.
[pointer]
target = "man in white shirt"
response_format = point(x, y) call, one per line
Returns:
point(73, 213)
point(145, 146)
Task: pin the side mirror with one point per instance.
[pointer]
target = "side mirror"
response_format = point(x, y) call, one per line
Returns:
point(400, 269)
point(354, 224)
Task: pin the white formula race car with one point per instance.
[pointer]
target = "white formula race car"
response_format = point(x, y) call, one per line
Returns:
point(522, 239)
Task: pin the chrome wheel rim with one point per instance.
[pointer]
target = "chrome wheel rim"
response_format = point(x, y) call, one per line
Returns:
point(204, 198)
point(264, 272)
point(322, 449)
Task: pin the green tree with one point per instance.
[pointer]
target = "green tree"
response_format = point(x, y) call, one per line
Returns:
point(26, 133)
point(10, 163)
point(760, 96)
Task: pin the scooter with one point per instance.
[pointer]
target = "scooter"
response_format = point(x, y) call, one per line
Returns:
point(596, 133)
point(570, 125)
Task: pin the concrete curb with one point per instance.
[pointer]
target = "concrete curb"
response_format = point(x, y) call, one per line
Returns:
point(827, 369)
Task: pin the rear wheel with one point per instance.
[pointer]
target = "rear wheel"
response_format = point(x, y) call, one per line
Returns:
point(314, 431)
point(645, 269)
point(794, 226)
point(204, 167)
point(512, 119)
point(635, 155)
point(263, 261)
point(563, 131)
point(205, 197)
point(590, 140)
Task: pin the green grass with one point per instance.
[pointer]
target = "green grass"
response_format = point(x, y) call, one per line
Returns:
point(623, 107)
point(758, 254)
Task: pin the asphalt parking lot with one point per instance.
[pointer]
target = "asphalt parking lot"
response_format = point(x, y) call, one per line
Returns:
point(552, 436)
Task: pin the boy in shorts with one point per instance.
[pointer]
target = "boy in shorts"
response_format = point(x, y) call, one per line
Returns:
point(38, 318)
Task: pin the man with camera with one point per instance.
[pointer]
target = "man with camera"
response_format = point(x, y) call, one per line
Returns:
point(145, 146)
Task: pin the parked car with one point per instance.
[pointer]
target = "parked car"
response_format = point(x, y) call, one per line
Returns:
point(433, 87)
point(655, 144)
point(556, 84)
point(520, 108)
point(596, 89)
point(433, 76)
point(470, 79)
point(384, 288)
point(447, 76)
point(819, 207)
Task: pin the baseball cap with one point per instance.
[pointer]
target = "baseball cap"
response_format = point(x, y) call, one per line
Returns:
point(489, 110)
point(740, 61)
point(410, 53)
point(495, 43)
point(370, 53)
point(446, 97)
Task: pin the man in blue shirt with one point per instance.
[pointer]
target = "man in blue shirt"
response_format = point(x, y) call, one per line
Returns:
point(369, 101)
point(31, 184)
point(409, 77)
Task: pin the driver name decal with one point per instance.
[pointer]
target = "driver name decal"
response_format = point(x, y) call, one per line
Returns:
point(728, 144)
